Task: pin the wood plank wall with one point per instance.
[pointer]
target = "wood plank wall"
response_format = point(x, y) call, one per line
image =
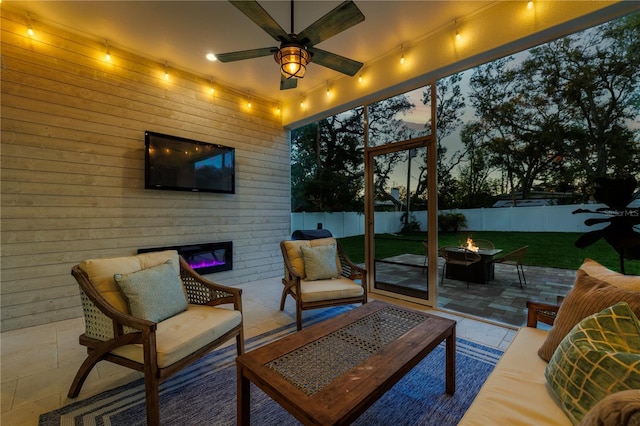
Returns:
point(73, 168)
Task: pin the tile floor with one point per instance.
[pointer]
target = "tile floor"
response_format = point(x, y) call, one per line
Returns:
point(38, 364)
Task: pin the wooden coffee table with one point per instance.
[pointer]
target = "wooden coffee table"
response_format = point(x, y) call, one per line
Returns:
point(331, 372)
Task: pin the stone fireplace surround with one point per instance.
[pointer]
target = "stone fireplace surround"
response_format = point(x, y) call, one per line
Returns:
point(206, 258)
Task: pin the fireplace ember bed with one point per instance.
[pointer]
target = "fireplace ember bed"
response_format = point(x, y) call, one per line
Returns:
point(204, 258)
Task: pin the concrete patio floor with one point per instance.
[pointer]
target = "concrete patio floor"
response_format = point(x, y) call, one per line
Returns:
point(501, 300)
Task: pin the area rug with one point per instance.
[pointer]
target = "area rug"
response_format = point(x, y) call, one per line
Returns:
point(205, 393)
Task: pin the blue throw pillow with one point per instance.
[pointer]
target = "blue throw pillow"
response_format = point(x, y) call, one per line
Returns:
point(155, 293)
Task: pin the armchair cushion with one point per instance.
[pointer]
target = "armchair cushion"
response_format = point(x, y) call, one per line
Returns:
point(183, 334)
point(154, 293)
point(294, 253)
point(101, 272)
point(320, 290)
point(320, 262)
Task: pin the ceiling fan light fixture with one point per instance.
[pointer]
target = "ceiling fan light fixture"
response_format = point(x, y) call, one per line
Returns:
point(293, 59)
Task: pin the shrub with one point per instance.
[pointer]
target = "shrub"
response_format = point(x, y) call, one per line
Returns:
point(451, 222)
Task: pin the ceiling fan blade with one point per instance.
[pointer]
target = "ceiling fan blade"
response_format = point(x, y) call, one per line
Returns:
point(257, 14)
point(288, 83)
point(339, 19)
point(334, 61)
point(246, 54)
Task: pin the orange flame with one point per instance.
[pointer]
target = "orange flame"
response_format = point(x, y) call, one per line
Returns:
point(470, 245)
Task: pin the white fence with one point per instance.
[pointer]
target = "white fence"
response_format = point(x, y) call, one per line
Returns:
point(517, 219)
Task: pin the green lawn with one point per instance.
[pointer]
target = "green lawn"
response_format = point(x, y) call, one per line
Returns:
point(553, 249)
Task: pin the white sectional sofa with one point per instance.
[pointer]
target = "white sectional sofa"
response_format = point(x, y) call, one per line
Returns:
point(517, 392)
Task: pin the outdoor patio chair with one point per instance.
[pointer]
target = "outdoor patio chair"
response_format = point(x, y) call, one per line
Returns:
point(154, 314)
point(484, 244)
point(515, 258)
point(318, 274)
point(460, 256)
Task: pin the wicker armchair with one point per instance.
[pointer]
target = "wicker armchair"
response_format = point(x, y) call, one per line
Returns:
point(484, 244)
point(350, 286)
point(113, 334)
point(515, 258)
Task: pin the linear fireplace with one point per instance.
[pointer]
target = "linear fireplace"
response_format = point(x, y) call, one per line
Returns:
point(203, 258)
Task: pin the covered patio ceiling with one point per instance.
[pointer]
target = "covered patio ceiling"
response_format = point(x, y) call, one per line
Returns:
point(181, 33)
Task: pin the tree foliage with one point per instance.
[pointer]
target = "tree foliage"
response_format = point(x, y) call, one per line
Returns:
point(327, 157)
point(559, 118)
point(554, 118)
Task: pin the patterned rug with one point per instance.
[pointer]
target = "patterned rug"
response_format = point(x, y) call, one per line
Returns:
point(205, 393)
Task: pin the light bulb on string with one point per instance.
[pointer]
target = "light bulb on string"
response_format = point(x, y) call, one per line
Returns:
point(29, 26)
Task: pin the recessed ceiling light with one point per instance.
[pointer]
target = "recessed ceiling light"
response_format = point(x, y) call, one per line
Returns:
point(211, 57)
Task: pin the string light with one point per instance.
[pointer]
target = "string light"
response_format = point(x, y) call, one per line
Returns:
point(360, 78)
point(29, 26)
point(328, 90)
point(107, 56)
point(530, 5)
point(401, 55)
point(212, 89)
point(166, 71)
point(458, 36)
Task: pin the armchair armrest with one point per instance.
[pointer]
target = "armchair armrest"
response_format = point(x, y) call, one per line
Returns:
point(540, 312)
point(350, 269)
point(202, 291)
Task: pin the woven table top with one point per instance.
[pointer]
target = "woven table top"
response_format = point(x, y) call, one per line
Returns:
point(313, 366)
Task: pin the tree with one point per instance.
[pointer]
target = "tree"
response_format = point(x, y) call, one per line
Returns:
point(477, 187)
point(516, 123)
point(593, 79)
point(328, 157)
point(450, 104)
point(327, 164)
point(560, 116)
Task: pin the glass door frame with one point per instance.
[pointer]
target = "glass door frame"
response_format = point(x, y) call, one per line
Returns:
point(429, 142)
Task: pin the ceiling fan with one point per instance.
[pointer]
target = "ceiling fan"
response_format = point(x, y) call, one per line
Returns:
point(296, 51)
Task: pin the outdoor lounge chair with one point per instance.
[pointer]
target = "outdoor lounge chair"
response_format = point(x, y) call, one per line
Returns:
point(317, 274)
point(484, 244)
point(515, 258)
point(114, 291)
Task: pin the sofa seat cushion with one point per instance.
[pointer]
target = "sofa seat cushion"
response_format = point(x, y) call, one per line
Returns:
point(319, 290)
point(515, 392)
point(185, 333)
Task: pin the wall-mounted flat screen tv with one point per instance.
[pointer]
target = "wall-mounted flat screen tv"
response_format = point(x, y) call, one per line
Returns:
point(181, 164)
